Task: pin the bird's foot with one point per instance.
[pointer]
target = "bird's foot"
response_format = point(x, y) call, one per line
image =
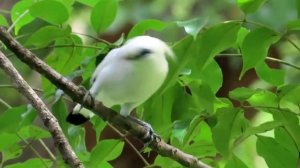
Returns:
point(150, 135)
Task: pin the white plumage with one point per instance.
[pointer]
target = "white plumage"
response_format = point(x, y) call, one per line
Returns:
point(130, 74)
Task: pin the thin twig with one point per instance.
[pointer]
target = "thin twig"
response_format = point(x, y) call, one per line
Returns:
point(293, 43)
point(53, 158)
point(15, 87)
point(5, 103)
point(33, 150)
point(129, 143)
point(35, 89)
point(96, 39)
point(17, 20)
point(4, 11)
point(267, 58)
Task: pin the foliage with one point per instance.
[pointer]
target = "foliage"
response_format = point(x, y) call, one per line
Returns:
point(186, 111)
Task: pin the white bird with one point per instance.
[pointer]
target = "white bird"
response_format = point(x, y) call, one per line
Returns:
point(127, 76)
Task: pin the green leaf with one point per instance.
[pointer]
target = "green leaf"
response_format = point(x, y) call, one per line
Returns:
point(144, 25)
point(3, 21)
point(291, 124)
point(294, 25)
point(64, 59)
point(212, 75)
point(199, 53)
point(270, 75)
point(193, 129)
point(211, 42)
point(59, 110)
point(76, 137)
point(161, 161)
point(289, 93)
point(241, 93)
point(9, 146)
point(47, 34)
point(51, 11)
point(264, 127)
point(230, 124)
point(241, 36)
point(193, 26)
point(255, 47)
point(235, 162)
point(283, 137)
point(103, 14)
point(20, 14)
point(90, 3)
point(35, 162)
point(37, 132)
point(15, 118)
point(105, 150)
point(298, 8)
point(250, 6)
point(275, 155)
point(263, 98)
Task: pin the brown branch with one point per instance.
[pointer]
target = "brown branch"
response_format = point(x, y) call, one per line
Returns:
point(49, 120)
point(77, 94)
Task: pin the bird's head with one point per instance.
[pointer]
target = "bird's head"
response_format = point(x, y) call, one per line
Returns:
point(142, 47)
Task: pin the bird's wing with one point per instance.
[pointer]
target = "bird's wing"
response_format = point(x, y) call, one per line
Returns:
point(109, 57)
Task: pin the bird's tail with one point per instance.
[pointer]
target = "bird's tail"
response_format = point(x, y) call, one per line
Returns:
point(79, 115)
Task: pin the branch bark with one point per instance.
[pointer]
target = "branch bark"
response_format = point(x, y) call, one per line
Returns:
point(48, 119)
point(77, 94)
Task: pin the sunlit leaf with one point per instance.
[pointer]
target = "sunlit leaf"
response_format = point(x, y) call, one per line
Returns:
point(103, 14)
point(51, 11)
point(20, 14)
point(3, 21)
point(241, 93)
point(263, 98)
point(250, 6)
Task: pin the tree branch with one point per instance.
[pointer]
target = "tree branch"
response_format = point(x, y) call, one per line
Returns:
point(77, 94)
point(49, 120)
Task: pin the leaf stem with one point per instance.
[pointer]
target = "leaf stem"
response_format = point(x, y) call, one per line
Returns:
point(33, 150)
point(53, 158)
point(17, 20)
point(5, 103)
point(267, 58)
point(130, 144)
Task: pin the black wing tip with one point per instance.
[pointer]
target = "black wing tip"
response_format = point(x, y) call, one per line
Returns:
point(76, 119)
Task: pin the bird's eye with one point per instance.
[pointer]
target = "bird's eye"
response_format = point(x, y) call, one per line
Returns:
point(144, 52)
point(141, 54)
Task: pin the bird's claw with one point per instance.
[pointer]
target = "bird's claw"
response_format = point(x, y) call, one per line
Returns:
point(150, 135)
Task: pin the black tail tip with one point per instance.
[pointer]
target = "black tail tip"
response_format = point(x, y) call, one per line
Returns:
point(76, 119)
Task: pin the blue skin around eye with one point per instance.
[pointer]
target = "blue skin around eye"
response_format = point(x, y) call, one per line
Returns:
point(142, 53)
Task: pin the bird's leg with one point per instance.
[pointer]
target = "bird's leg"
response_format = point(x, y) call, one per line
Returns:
point(150, 136)
point(87, 93)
